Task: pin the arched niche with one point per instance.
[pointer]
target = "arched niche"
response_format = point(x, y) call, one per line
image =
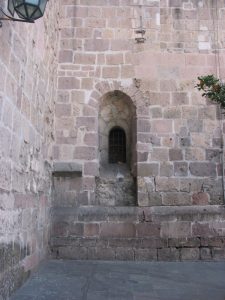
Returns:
point(117, 112)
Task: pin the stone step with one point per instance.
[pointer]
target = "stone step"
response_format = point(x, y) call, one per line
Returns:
point(149, 249)
point(157, 233)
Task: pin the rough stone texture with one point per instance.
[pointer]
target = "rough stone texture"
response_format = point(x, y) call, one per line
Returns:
point(131, 233)
point(106, 79)
point(115, 186)
point(174, 135)
point(27, 92)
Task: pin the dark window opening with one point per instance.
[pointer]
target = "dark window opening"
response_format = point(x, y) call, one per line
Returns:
point(117, 146)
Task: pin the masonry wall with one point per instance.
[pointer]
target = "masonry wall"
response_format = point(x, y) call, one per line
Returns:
point(179, 133)
point(27, 92)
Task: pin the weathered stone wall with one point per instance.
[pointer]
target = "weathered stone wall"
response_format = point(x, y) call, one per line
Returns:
point(131, 233)
point(27, 92)
point(178, 132)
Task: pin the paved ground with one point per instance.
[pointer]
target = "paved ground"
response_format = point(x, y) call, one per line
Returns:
point(92, 280)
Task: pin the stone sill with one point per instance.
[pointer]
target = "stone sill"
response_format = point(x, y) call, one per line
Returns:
point(66, 169)
point(140, 214)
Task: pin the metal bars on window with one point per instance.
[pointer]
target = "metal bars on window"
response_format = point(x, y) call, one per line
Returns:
point(117, 146)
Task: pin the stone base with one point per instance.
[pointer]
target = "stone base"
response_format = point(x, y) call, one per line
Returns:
point(132, 233)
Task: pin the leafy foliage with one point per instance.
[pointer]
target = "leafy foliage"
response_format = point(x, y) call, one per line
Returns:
point(213, 89)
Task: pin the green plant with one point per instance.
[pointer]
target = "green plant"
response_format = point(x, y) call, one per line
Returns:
point(213, 89)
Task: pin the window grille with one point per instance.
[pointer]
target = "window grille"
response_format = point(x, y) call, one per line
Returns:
point(117, 146)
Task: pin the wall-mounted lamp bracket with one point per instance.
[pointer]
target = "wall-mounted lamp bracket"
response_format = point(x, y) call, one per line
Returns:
point(27, 11)
point(140, 32)
point(8, 18)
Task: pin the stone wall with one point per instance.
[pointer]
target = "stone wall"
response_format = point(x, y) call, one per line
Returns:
point(27, 92)
point(179, 133)
point(152, 234)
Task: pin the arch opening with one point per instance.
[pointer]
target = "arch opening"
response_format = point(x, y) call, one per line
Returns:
point(116, 185)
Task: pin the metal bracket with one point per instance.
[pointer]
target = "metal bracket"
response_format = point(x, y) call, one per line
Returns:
point(8, 18)
point(141, 32)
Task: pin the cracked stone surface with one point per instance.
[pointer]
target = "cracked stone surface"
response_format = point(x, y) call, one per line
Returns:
point(93, 280)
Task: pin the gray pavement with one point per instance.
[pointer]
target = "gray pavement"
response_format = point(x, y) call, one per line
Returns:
point(98, 280)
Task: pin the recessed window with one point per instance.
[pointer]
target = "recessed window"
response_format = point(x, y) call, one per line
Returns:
point(117, 145)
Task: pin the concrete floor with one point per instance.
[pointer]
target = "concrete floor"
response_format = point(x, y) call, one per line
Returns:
point(97, 280)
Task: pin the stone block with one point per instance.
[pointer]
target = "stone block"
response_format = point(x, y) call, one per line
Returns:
point(213, 155)
point(180, 98)
point(148, 169)
point(91, 139)
point(175, 154)
point(166, 169)
point(85, 153)
point(168, 254)
point(88, 183)
point(125, 214)
point(68, 83)
point(218, 242)
point(147, 230)
point(5, 142)
point(124, 254)
point(67, 167)
point(167, 184)
point(156, 112)
point(143, 125)
point(191, 254)
point(146, 254)
point(176, 229)
point(195, 125)
point(154, 243)
point(114, 59)
point(65, 56)
point(148, 138)
point(181, 169)
point(76, 229)
point(142, 156)
point(101, 253)
point(96, 45)
point(91, 229)
point(72, 252)
point(63, 110)
point(5, 175)
point(200, 198)
point(218, 253)
point(92, 214)
point(85, 58)
point(190, 242)
point(91, 169)
point(203, 169)
point(194, 154)
point(159, 154)
point(205, 254)
point(172, 113)
point(161, 126)
point(143, 199)
point(111, 230)
point(154, 199)
point(185, 142)
point(89, 123)
point(202, 230)
point(127, 71)
point(189, 112)
point(110, 72)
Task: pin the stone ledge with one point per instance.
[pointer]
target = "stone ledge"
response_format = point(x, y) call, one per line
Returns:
point(66, 169)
